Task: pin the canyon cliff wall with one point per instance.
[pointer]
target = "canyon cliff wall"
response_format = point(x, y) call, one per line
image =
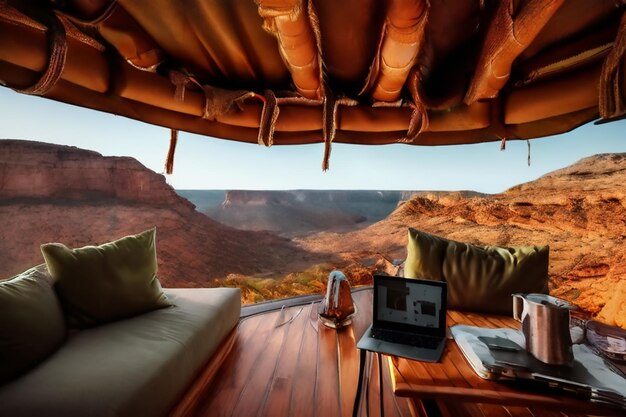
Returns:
point(52, 193)
point(41, 170)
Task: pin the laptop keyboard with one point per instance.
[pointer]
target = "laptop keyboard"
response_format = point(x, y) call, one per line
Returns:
point(417, 340)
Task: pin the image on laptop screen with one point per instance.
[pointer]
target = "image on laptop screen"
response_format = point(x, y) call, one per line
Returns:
point(409, 302)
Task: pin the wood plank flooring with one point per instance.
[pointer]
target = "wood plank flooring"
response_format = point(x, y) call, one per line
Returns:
point(286, 363)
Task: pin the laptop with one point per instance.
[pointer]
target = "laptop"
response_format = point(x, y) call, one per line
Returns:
point(409, 318)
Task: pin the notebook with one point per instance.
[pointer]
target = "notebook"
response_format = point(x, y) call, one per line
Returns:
point(409, 318)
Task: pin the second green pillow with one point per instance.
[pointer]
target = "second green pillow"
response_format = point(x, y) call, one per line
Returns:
point(480, 278)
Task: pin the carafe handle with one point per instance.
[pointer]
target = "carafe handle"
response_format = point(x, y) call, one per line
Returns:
point(518, 306)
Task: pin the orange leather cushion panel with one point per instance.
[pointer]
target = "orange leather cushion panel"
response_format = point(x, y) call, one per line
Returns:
point(564, 94)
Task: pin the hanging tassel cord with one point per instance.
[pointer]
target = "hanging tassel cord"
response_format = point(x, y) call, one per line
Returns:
point(329, 128)
point(269, 115)
point(169, 163)
point(528, 143)
point(419, 116)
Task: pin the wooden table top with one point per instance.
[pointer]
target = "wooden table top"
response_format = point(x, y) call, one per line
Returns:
point(453, 379)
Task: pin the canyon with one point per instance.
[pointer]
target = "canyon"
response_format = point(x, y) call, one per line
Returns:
point(301, 212)
point(284, 243)
point(52, 193)
point(304, 211)
point(579, 211)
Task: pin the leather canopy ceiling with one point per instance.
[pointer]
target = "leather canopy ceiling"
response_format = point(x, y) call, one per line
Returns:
point(422, 72)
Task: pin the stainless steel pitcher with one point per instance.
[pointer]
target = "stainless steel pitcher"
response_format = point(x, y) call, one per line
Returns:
point(546, 326)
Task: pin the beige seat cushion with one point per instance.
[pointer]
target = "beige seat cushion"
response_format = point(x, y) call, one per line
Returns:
point(480, 278)
point(138, 367)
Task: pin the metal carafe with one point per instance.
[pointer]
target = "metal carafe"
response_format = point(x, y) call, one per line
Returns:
point(546, 326)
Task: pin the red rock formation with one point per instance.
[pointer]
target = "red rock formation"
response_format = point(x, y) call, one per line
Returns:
point(51, 193)
point(42, 170)
point(580, 211)
point(57, 193)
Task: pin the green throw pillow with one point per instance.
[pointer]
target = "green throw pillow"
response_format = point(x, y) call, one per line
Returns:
point(425, 255)
point(480, 278)
point(103, 283)
point(31, 322)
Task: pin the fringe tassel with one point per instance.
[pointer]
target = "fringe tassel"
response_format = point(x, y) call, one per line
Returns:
point(419, 117)
point(169, 163)
point(329, 128)
point(269, 115)
point(418, 123)
point(503, 144)
point(528, 143)
point(612, 98)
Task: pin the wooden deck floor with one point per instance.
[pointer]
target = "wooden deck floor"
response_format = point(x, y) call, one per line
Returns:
point(286, 363)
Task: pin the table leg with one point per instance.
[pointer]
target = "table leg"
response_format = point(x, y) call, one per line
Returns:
point(380, 383)
point(431, 407)
point(359, 389)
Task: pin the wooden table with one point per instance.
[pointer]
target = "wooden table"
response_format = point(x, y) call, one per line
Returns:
point(458, 391)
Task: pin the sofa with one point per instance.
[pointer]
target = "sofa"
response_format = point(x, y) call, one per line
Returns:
point(136, 365)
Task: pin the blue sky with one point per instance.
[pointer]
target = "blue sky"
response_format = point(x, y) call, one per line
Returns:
point(208, 163)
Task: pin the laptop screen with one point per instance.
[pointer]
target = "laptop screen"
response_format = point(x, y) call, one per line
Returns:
point(410, 305)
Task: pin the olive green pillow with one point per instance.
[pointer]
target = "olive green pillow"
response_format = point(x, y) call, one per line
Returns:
point(480, 278)
point(32, 325)
point(103, 283)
